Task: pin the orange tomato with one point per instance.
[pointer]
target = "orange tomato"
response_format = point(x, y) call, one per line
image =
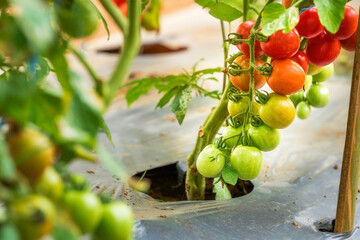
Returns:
point(242, 81)
point(287, 3)
point(287, 77)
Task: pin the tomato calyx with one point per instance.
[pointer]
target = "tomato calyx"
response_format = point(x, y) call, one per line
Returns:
point(236, 39)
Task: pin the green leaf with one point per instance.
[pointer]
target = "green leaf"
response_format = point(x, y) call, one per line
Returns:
point(179, 105)
point(275, 17)
point(205, 3)
point(172, 81)
point(9, 232)
point(142, 86)
point(221, 190)
point(105, 128)
point(35, 22)
point(305, 4)
point(103, 20)
point(7, 167)
point(224, 12)
point(331, 13)
point(230, 175)
point(167, 97)
point(207, 71)
point(37, 70)
point(238, 4)
point(61, 233)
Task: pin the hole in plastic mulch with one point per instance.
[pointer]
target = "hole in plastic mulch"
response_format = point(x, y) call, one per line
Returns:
point(168, 184)
point(149, 48)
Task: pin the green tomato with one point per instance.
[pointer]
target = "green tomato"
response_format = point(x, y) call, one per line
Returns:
point(313, 69)
point(324, 74)
point(247, 161)
point(318, 95)
point(229, 134)
point(85, 209)
point(264, 137)
point(50, 184)
point(278, 112)
point(308, 82)
point(34, 216)
point(235, 108)
point(210, 161)
point(78, 18)
point(297, 97)
point(116, 223)
point(303, 110)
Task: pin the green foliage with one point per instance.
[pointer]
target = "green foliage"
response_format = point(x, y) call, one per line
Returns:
point(275, 17)
point(221, 190)
point(177, 88)
point(229, 175)
point(7, 168)
point(224, 10)
point(330, 13)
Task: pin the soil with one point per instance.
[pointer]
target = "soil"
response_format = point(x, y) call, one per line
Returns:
point(166, 187)
point(151, 48)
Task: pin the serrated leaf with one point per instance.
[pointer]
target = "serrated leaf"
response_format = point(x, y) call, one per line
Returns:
point(179, 105)
point(172, 81)
point(275, 17)
point(224, 12)
point(7, 167)
point(330, 13)
point(221, 190)
point(167, 97)
point(142, 86)
point(230, 175)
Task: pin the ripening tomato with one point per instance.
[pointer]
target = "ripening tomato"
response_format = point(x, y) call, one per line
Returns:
point(247, 161)
point(235, 108)
point(32, 152)
point(287, 3)
point(278, 112)
point(308, 82)
point(122, 5)
point(242, 81)
point(281, 45)
point(50, 184)
point(349, 43)
point(313, 69)
point(325, 73)
point(244, 30)
point(210, 161)
point(302, 59)
point(287, 77)
point(309, 25)
point(348, 25)
point(264, 137)
point(323, 49)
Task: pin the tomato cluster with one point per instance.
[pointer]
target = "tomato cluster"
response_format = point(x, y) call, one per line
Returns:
point(36, 212)
point(296, 76)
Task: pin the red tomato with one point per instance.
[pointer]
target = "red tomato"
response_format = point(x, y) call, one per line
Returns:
point(323, 49)
point(349, 43)
point(244, 30)
point(348, 25)
point(287, 3)
point(282, 45)
point(242, 81)
point(309, 25)
point(122, 5)
point(287, 77)
point(302, 59)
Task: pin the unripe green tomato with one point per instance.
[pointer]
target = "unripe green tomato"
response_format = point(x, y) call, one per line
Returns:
point(247, 161)
point(34, 216)
point(318, 95)
point(324, 74)
point(235, 108)
point(303, 110)
point(278, 112)
point(116, 222)
point(80, 19)
point(85, 209)
point(297, 97)
point(313, 69)
point(264, 137)
point(308, 82)
point(229, 135)
point(50, 184)
point(210, 162)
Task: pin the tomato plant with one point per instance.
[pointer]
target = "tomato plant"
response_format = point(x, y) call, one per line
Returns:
point(309, 25)
point(303, 110)
point(325, 73)
point(264, 137)
point(318, 95)
point(210, 161)
point(247, 161)
point(349, 43)
point(302, 59)
point(348, 25)
point(244, 30)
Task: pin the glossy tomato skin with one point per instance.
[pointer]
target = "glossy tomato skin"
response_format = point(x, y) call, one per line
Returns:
point(278, 112)
point(313, 69)
point(235, 108)
point(297, 97)
point(323, 49)
point(318, 95)
point(32, 152)
point(303, 110)
point(242, 80)
point(287, 3)
point(247, 161)
point(349, 43)
point(210, 161)
point(264, 137)
point(116, 222)
point(348, 25)
point(325, 73)
point(244, 30)
point(302, 59)
point(85, 209)
point(287, 77)
point(281, 45)
point(231, 136)
point(309, 25)
point(22, 213)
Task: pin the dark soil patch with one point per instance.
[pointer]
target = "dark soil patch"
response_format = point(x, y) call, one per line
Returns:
point(151, 48)
point(168, 184)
